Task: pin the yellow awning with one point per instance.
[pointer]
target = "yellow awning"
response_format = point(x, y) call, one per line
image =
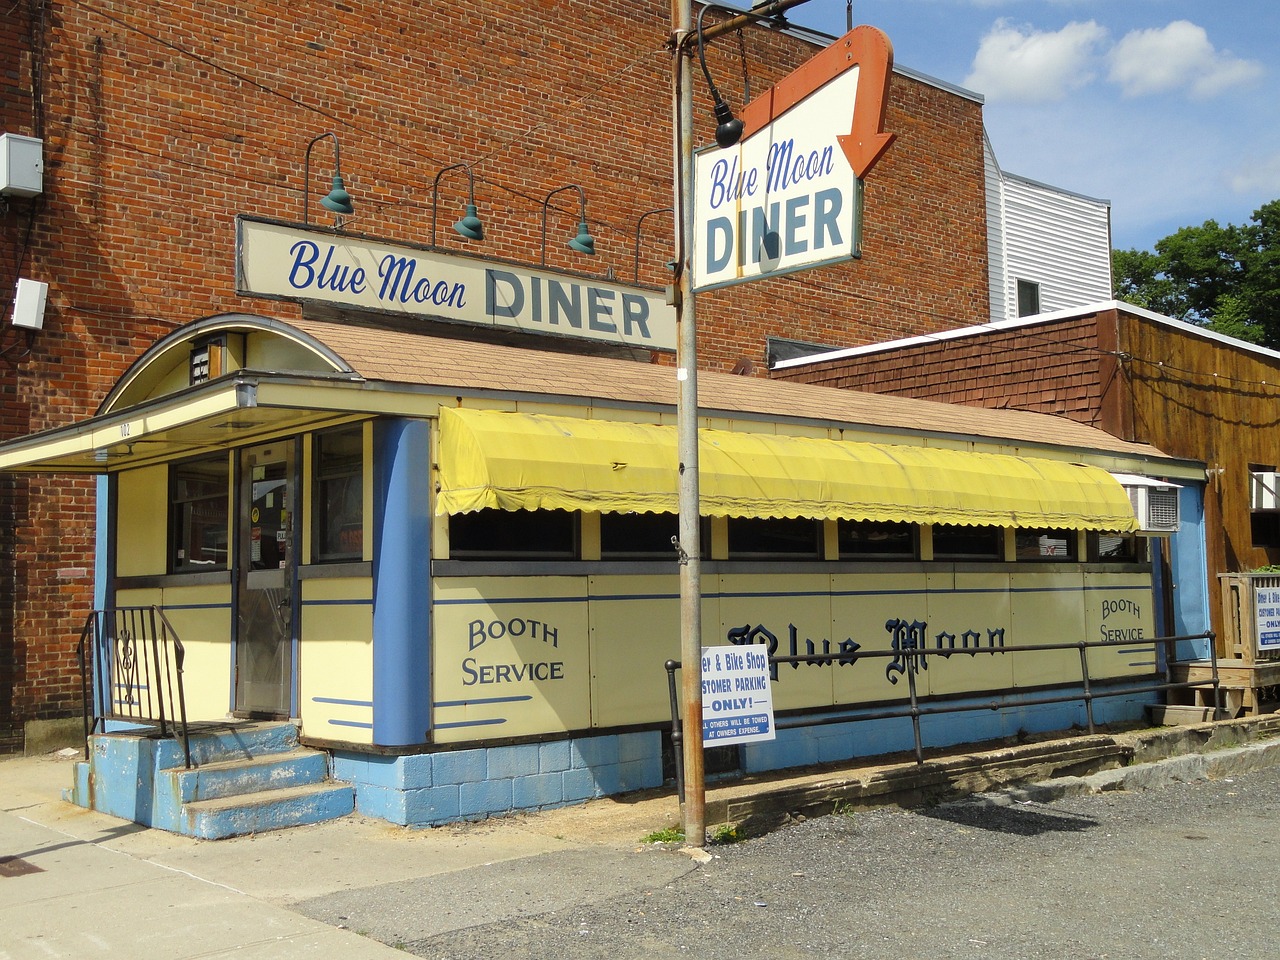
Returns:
point(517, 461)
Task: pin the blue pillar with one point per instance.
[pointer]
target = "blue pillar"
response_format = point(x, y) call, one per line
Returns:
point(1192, 591)
point(401, 582)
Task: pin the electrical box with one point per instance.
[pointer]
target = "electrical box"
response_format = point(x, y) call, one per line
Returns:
point(21, 165)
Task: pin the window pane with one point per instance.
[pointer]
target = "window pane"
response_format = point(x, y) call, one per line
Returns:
point(645, 536)
point(200, 499)
point(1046, 544)
point(873, 538)
point(951, 542)
point(514, 534)
point(338, 495)
point(774, 537)
point(1115, 546)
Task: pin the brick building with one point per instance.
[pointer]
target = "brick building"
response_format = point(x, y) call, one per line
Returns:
point(161, 124)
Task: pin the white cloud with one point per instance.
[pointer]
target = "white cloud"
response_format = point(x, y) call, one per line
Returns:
point(1175, 57)
point(1258, 175)
point(1023, 65)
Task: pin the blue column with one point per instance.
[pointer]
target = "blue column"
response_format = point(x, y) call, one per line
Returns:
point(1192, 591)
point(401, 582)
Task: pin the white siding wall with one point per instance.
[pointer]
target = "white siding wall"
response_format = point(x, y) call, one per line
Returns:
point(1057, 239)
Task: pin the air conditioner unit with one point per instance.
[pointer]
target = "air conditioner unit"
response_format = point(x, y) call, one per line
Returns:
point(1262, 490)
point(1155, 503)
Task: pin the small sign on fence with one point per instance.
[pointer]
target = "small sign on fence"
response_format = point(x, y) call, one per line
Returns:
point(737, 702)
point(1267, 611)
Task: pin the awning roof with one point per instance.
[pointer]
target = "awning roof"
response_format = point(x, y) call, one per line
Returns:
point(518, 461)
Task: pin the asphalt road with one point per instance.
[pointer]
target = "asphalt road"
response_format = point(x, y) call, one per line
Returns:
point(1185, 871)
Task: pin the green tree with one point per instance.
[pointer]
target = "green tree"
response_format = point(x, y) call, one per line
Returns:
point(1225, 278)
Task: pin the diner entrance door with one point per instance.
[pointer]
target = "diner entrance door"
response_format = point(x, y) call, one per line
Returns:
point(265, 595)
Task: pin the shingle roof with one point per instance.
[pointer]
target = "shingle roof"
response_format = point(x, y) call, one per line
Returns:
point(399, 357)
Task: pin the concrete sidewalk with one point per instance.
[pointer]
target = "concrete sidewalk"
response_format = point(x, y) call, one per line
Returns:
point(79, 884)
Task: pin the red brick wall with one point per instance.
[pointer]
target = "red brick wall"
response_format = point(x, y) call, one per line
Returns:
point(1046, 368)
point(164, 120)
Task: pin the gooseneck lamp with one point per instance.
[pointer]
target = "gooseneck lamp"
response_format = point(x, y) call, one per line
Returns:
point(469, 227)
point(583, 242)
point(728, 127)
point(337, 199)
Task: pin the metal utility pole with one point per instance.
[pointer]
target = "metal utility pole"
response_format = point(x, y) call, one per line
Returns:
point(694, 810)
point(683, 47)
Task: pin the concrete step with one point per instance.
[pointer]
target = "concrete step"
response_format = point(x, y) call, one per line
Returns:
point(266, 810)
point(225, 778)
point(212, 743)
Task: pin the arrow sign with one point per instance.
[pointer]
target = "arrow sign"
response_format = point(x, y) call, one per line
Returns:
point(863, 47)
point(788, 196)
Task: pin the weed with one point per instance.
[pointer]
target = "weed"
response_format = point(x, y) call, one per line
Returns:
point(727, 833)
point(669, 835)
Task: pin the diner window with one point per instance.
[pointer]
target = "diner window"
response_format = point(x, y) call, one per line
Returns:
point(199, 504)
point(876, 539)
point(767, 537)
point(337, 504)
point(1045, 544)
point(956, 542)
point(1115, 547)
point(644, 536)
point(514, 535)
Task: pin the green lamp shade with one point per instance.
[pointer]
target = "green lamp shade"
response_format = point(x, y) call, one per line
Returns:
point(470, 226)
point(583, 242)
point(338, 200)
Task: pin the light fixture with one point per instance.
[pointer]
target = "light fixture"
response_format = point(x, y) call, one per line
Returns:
point(469, 227)
point(639, 225)
point(337, 199)
point(583, 242)
point(728, 127)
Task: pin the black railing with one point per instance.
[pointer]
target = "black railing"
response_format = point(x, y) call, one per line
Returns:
point(131, 671)
point(909, 660)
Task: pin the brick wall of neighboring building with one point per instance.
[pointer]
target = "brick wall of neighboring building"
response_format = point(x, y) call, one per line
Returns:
point(162, 121)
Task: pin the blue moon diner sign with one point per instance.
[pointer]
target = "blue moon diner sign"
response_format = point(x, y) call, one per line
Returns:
point(788, 196)
point(292, 262)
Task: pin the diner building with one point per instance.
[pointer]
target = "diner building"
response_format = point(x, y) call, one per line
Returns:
point(450, 563)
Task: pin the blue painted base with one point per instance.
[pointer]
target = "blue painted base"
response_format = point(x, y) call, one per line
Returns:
point(427, 789)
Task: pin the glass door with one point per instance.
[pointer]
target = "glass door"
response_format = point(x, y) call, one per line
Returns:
point(265, 581)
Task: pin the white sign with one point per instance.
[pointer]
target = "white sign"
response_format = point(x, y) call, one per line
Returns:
point(789, 195)
point(1267, 611)
point(298, 263)
point(737, 701)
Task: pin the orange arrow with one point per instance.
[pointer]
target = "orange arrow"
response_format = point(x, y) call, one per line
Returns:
point(866, 142)
point(863, 47)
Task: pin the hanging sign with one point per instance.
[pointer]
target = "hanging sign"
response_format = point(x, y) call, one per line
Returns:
point(787, 197)
point(737, 701)
point(290, 262)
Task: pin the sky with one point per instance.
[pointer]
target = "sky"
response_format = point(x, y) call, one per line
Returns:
point(1169, 109)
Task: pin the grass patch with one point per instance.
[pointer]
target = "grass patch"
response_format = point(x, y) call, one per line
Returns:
point(669, 835)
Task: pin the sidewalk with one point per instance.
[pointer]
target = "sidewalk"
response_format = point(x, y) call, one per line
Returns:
point(78, 884)
point(102, 887)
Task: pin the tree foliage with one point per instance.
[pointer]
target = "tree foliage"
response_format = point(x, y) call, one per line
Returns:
point(1224, 278)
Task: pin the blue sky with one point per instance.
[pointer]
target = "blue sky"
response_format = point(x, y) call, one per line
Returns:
point(1170, 109)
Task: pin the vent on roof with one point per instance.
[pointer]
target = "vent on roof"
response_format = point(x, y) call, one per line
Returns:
point(1155, 503)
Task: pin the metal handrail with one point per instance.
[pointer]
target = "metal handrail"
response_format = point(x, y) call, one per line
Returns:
point(1089, 690)
point(131, 662)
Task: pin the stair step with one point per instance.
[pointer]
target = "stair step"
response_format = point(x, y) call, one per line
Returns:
point(224, 778)
point(211, 743)
point(267, 810)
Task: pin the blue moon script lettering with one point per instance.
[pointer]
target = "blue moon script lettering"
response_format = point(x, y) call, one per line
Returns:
point(313, 267)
